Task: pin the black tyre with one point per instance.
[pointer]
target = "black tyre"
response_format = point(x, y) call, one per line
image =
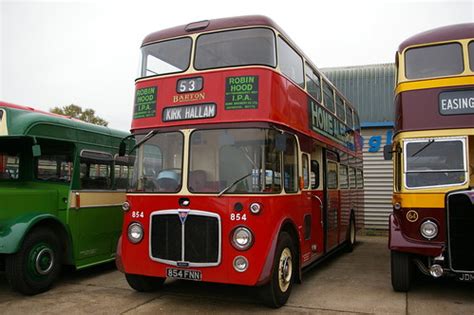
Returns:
point(401, 271)
point(351, 235)
point(144, 283)
point(277, 291)
point(35, 267)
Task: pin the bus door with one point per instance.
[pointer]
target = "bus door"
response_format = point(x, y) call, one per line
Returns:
point(94, 221)
point(317, 203)
point(332, 200)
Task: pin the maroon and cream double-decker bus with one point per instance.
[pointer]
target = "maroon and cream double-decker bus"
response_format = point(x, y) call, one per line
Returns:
point(433, 217)
point(248, 161)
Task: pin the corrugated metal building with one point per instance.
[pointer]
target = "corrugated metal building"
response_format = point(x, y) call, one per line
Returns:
point(370, 89)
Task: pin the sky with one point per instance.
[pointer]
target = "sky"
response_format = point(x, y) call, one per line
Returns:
point(56, 53)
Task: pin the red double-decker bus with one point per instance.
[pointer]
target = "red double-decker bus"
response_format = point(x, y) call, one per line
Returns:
point(248, 161)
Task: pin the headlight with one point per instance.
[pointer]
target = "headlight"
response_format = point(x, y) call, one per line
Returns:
point(135, 232)
point(429, 229)
point(242, 238)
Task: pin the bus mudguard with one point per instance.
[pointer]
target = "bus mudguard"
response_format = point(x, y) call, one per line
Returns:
point(397, 242)
point(12, 232)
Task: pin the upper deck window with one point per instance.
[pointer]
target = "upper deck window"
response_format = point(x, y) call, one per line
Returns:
point(291, 64)
point(471, 55)
point(166, 57)
point(313, 83)
point(341, 113)
point(328, 96)
point(255, 46)
point(433, 61)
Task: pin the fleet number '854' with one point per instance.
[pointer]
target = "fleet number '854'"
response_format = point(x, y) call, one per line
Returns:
point(138, 214)
point(238, 217)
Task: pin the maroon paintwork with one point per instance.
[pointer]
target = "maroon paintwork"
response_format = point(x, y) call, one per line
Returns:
point(410, 106)
point(440, 34)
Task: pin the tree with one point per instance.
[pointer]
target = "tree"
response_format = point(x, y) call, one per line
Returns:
point(87, 115)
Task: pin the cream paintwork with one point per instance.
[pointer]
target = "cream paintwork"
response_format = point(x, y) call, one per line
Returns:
point(90, 199)
point(3, 124)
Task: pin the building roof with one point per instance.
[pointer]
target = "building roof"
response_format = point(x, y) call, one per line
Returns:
point(369, 88)
point(440, 34)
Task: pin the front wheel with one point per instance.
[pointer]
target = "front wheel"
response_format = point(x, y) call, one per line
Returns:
point(35, 267)
point(144, 283)
point(277, 291)
point(401, 271)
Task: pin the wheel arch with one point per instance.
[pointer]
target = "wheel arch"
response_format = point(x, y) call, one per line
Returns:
point(286, 225)
point(12, 240)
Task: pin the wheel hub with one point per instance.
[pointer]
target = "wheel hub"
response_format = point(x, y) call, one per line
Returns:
point(285, 269)
point(44, 261)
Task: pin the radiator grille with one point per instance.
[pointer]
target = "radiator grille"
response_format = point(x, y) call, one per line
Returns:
point(461, 232)
point(196, 241)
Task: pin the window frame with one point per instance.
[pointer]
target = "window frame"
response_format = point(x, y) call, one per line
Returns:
point(195, 43)
point(143, 63)
point(303, 81)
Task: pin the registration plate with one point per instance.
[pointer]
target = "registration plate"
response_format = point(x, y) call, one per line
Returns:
point(185, 274)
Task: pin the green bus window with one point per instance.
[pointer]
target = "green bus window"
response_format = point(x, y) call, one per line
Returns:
point(328, 96)
point(291, 64)
point(55, 168)
point(290, 166)
point(123, 169)
point(9, 166)
point(313, 83)
point(96, 170)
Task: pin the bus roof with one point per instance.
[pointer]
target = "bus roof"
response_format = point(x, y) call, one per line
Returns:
point(27, 119)
point(211, 25)
point(440, 34)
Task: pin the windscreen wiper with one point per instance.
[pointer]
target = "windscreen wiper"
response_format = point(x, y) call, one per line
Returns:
point(223, 191)
point(147, 137)
point(430, 142)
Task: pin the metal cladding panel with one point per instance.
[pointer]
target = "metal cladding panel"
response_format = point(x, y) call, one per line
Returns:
point(369, 88)
point(378, 181)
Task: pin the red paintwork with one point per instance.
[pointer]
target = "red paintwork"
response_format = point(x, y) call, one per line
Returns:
point(282, 103)
point(398, 242)
point(409, 232)
point(411, 105)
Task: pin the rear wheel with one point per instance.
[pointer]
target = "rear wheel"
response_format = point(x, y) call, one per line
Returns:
point(35, 267)
point(401, 271)
point(351, 235)
point(276, 292)
point(144, 283)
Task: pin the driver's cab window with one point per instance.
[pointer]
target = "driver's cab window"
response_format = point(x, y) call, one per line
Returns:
point(332, 178)
point(306, 171)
